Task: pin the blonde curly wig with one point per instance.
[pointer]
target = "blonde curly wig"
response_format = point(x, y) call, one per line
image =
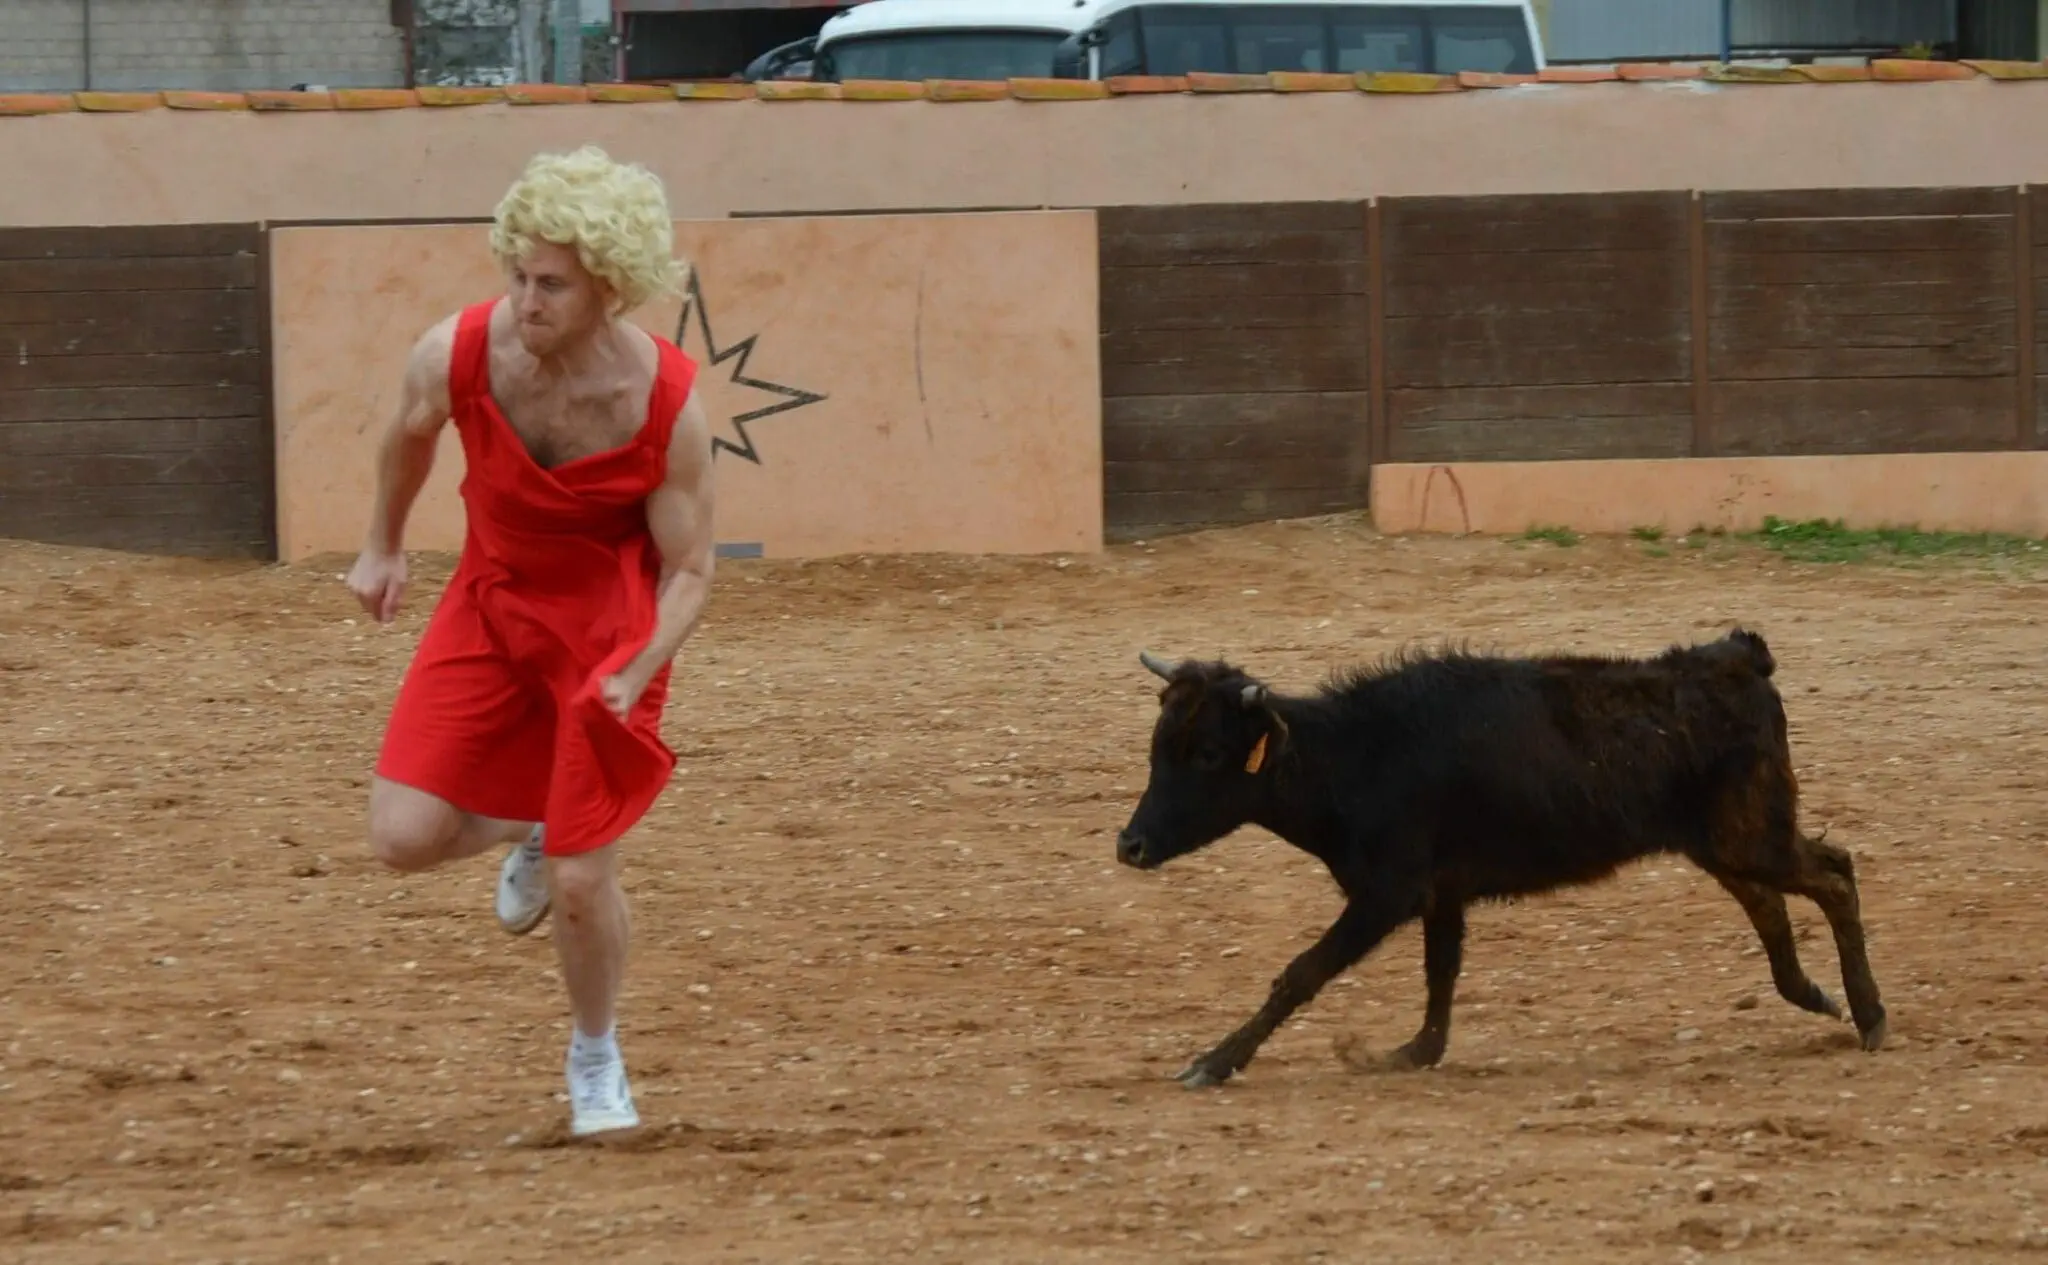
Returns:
point(615, 215)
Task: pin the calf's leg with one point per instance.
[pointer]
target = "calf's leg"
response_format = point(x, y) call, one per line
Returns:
point(1755, 841)
point(1766, 910)
point(1826, 875)
point(1443, 951)
point(1757, 869)
point(1364, 923)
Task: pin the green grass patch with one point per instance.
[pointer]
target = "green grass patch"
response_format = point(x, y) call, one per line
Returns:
point(1828, 540)
point(1647, 533)
point(1562, 537)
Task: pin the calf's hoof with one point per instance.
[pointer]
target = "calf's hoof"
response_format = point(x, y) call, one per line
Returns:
point(1412, 1057)
point(1821, 1003)
point(1874, 1035)
point(1203, 1073)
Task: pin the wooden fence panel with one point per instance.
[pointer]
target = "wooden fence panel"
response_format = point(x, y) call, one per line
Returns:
point(1861, 320)
point(134, 392)
point(2034, 286)
point(1256, 358)
point(1234, 364)
point(1538, 327)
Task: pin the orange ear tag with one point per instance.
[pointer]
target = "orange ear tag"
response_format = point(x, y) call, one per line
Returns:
point(1257, 759)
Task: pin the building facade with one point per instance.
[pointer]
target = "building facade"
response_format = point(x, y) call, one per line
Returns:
point(240, 45)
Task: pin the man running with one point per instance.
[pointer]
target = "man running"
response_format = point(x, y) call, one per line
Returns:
point(532, 708)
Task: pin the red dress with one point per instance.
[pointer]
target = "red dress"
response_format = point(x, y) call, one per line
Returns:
point(500, 712)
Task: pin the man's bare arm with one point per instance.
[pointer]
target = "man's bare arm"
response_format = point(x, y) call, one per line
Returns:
point(405, 454)
point(679, 514)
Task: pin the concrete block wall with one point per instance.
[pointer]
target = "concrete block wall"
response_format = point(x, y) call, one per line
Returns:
point(42, 45)
point(227, 45)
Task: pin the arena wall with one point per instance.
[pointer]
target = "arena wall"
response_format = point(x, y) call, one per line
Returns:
point(733, 149)
point(1200, 365)
point(1255, 357)
point(878, 384)
point(1931, 491)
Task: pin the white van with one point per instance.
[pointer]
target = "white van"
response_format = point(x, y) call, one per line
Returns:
point(1097, 39)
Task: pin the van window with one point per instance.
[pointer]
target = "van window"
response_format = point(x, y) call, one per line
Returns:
point(1120, 52)
point(1287, 40)
point(1480, 39)
point(1175, 39)
point(1380, 39)
point(928, 54)
point(1183, 38)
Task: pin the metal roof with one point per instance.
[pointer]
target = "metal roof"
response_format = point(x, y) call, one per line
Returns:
point(1048, 15)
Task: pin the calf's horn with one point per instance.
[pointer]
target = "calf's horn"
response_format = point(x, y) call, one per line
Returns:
point(1158, 666)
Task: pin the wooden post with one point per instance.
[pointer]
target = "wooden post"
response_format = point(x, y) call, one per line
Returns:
point(266, 342)
point(2025, 318)
point(1702, 388)
point(1381, 443)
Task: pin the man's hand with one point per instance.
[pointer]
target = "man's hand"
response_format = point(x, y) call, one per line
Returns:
point(378, 581)
point(623, 688)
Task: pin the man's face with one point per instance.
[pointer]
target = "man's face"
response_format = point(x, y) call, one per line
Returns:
point(554, 297)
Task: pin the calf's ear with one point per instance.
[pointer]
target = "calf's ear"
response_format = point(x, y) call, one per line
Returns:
point(1257, 759)
point(1255, 701)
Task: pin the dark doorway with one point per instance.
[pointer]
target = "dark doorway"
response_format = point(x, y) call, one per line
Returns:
point(713, 43)
point(1999, 30)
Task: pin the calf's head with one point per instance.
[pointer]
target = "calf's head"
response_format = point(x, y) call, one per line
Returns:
point(1213, 746)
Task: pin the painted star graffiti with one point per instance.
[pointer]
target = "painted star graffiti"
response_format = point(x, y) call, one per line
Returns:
point(793, 397)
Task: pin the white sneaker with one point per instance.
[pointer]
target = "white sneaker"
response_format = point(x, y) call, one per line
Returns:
point(599, 1097)
point(523, 887)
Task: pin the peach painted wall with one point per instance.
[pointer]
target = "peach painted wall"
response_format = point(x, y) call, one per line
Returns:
point(721, 157)
point(957, 356)
point(1950, 491)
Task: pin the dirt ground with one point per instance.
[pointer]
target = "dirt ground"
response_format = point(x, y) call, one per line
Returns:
point(891, 999)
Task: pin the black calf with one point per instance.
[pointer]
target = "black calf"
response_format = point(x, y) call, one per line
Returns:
point(1444, 779)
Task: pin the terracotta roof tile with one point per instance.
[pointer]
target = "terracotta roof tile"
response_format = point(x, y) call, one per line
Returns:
point(1891, 70)
point(118, 102)
point(547, 93)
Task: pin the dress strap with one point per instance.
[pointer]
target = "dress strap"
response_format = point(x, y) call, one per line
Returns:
point(674, 374)
point(469, 364)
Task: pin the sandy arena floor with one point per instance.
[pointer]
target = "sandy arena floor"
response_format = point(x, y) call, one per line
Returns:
point(891, 999)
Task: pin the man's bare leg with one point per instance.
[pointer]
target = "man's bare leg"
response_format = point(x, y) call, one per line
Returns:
point(592, 927)
point(412, 831)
